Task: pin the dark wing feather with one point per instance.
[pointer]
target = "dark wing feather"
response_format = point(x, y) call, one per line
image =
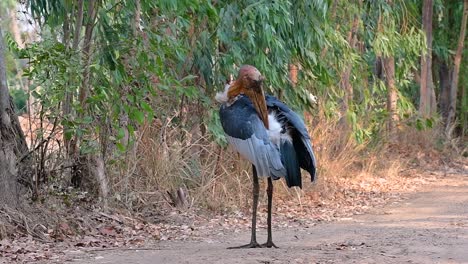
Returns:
point(299, 134)
point(247, 134)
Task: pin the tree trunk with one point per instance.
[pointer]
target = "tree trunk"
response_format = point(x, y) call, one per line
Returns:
point(392, 95)
point(456, 69)
point(126, 89)
point(86, 50)
point(12, 141)
point(70, 144)
point(78, 25)
point(98, 171)
point(464, 107)
point(427, 103)
point(293, 71)
point(345, 76)
point(84, 89)
point(67, 102)
point(388, 63)
point(444, 85)
point(66, 30)
point(95, 165)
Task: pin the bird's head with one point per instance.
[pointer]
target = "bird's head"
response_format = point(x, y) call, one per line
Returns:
point(249, 82)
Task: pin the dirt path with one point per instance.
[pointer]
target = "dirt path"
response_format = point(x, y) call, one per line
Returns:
point(429, 227)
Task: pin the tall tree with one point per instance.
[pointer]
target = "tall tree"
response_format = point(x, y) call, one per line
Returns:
point(392, 94)
point(427, 101)
point(12, 141)
point(345, 76)
point(68, 99)
point(456, 69)
point(388, 63)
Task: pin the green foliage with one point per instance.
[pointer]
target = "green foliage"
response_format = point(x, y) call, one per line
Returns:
point(189, 55)
point(180, 53)
point(447, 17)
point(214, 125)
point(383, 30)
point(20, 99)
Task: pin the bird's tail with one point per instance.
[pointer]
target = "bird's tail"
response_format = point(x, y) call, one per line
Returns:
point(291, 163)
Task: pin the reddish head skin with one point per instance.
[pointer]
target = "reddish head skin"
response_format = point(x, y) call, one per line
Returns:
point(249, 82)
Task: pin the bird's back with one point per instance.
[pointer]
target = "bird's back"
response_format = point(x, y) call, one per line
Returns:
point(276, 158)
point(247, 134)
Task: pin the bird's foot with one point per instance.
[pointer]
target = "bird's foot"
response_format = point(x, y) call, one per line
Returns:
point(269, 244)
point(252, 244)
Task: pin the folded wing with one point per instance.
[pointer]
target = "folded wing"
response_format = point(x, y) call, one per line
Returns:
point(300, 136)
point(247, 134)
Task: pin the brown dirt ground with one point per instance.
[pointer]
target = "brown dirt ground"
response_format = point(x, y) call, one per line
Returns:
point(430, 226)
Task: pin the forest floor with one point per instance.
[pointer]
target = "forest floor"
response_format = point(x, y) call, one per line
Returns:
point(421, 218)
point(428, 226)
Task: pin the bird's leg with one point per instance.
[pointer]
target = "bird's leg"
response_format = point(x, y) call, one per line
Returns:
point(269, 242)
point(253, 238)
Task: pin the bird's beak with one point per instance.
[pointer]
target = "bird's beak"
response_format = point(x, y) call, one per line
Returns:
point(258, 100)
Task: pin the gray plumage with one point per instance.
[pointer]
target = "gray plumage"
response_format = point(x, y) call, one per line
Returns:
point(247, 134)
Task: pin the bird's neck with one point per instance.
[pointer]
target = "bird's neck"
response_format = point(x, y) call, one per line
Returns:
point(257, 97)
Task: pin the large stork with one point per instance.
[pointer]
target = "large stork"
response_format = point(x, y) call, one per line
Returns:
point(268, 134)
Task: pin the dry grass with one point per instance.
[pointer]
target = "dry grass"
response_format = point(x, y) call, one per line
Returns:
point(166, 159)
